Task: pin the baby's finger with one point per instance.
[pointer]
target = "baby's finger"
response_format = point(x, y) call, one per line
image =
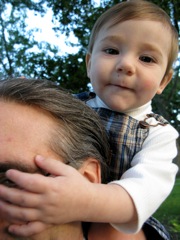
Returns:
point(53, 166)
point(5, 214)
point(19, 197)
point(30, 182)
point(28, 229)
point(16, 214)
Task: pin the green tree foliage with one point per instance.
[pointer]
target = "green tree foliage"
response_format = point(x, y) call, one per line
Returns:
point(22, 55)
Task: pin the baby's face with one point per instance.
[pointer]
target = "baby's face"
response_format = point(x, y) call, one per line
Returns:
point(128, 63)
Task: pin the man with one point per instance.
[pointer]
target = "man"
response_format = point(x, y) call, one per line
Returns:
point(37, 118)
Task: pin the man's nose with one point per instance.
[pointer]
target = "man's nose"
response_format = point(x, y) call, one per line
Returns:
point(126, 65)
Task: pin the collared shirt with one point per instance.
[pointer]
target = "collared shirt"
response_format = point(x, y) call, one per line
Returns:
point(147, 171)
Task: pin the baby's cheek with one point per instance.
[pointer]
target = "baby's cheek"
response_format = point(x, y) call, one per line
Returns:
point(151, 84)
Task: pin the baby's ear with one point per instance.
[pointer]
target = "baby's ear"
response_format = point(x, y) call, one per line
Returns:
point(91, 170)
point(88, 63)
point(167, 78)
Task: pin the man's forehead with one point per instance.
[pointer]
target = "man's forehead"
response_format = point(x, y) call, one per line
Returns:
point(23, 136)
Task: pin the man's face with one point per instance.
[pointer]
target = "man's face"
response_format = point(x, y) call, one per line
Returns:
point(25, 132)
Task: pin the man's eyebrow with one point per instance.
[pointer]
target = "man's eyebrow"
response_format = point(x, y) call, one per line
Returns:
point(4, 166)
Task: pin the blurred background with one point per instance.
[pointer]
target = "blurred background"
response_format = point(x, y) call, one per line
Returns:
point(48, 39)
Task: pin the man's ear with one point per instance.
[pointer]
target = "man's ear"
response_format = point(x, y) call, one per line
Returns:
point(167, 78)
point(88, 63)
point(91, 170)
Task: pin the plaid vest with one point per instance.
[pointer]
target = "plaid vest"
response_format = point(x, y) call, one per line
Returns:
point(126, 136)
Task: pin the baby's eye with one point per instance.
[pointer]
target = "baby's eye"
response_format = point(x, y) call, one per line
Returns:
point(146, 59)
point(111, 51)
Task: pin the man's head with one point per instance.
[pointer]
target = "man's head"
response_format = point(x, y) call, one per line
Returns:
point(36, 117)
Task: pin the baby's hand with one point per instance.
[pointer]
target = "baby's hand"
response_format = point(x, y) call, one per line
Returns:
point(38, 198)
point(28, 229)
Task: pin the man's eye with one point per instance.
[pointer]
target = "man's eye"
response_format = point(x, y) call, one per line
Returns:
point(146, 59)
point(6, 182)
point(9, 183)
point(111, 51)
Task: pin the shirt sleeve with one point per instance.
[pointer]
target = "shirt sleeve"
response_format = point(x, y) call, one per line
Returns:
point(151, 178)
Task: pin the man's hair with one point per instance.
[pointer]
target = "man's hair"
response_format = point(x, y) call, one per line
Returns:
point(140, 10)
point(78, 134)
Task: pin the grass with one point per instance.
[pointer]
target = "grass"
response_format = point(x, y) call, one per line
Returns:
point(169, 212)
